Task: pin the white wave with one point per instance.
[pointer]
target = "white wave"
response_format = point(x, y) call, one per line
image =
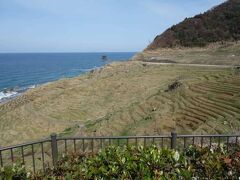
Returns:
point(32, 87)
point(7, 94)
point(24, 88)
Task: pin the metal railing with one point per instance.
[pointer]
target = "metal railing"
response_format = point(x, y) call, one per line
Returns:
point(39, 155)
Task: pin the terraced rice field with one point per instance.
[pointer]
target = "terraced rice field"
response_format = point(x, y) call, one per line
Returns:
point(207, 104)
point(128, 98)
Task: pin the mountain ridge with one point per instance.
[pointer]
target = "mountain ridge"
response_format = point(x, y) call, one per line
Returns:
point(221, 23)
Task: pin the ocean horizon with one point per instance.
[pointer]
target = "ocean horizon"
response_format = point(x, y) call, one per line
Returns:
point(22, 71)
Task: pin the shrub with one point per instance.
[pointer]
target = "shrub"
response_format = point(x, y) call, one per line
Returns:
point(140, 163)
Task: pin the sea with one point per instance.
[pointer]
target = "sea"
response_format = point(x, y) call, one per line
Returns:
point(22, 71)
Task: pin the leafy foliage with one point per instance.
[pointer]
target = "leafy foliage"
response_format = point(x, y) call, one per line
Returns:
point(140, 163)
point(221, 23)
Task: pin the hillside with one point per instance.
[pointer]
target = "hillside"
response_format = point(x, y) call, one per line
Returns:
point(227, 53)
point(221, 23)
point(130, 98)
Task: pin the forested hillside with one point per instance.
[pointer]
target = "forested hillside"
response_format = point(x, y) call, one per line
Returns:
point(221, 23)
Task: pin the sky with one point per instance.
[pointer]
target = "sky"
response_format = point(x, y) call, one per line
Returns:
point(90, 25)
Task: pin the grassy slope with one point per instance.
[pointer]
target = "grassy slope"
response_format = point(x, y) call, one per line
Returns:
point(126, 99)
point(217, 53)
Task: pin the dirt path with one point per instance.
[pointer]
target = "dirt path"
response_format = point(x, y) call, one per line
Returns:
point(189, 65)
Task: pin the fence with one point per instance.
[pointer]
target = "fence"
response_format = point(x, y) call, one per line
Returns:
point(45, 153)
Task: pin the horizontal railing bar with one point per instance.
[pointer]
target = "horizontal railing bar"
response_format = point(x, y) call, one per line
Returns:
point(207, 136)
point(139, 137)
point(24, 144)
point(116, 137)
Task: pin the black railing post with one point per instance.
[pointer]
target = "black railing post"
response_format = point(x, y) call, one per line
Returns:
point(173, 140)
point(54, 149)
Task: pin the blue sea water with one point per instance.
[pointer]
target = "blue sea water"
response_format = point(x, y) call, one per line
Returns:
point(21, 71)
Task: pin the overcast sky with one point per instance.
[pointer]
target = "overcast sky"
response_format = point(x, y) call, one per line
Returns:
point(90, 25)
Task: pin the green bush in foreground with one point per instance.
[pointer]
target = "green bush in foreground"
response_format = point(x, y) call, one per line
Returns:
point(140, 163)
